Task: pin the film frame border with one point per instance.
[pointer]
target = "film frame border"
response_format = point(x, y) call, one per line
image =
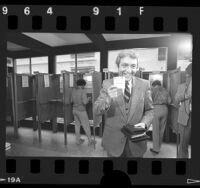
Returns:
point(187, 17)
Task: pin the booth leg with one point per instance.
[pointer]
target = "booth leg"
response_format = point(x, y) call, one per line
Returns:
point(39, 132)
point(94, 137)
point(65, 134)
point(35, 124)
point(177, 140)
point(177, 144)
point(54, 124)
point(65, 128)
point(101, 129)
point(16, 123)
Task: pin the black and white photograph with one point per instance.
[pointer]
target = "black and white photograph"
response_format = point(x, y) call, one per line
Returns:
point(99, 95)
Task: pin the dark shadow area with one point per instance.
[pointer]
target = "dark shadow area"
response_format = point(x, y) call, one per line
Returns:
point(116, 178)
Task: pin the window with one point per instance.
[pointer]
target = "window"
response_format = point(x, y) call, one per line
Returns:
point(33, 64)
point(65, 62)
point(88, 78)
point(147, 59)
point(39, 64)
point(90, 62)
point(86, 62)
point(84, 55)
point(23, 66)
point(184, 54)
point(162, 54)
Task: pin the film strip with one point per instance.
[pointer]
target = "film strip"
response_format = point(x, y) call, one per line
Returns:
point(97, 20)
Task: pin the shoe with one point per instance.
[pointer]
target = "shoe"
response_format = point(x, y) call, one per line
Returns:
point(153, 151)
point(80, 141)
point(92, 142)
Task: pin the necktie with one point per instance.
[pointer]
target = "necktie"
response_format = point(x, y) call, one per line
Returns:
point(127, 93)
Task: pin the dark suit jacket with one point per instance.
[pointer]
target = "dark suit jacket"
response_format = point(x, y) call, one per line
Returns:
point(141, 110)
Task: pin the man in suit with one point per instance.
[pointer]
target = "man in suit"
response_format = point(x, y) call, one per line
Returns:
point(132, 106)
point(184, 99)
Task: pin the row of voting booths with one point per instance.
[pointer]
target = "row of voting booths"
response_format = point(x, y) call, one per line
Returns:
point(45, 97)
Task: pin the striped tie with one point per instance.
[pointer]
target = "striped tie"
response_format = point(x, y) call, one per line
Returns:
point(127, 93)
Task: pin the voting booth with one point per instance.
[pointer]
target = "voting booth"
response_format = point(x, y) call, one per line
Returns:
point(68, 84)
point(10, 108)
point(93, 86)
point(96, 87)
point(45, 97)
point(23, 99)
point(53, 93)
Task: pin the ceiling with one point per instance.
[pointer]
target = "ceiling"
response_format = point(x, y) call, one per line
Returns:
point(15, 47)
point(63, 39)
point(60, 39)
point(113, 37)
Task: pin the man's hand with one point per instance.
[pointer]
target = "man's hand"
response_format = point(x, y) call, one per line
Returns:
point(140, 125)
point(105, 105)
point(112, 91)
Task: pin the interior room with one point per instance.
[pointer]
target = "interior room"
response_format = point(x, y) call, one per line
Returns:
point(43, 69)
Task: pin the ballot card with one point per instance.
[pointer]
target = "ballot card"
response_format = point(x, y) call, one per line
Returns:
point(119, 82)
point(139, 135)
point(46, 80)
point(71, 80)
point(25, 81)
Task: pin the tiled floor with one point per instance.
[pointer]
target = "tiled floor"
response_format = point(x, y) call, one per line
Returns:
point(53, 145)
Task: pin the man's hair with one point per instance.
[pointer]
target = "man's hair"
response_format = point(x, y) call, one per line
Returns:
point(126, 53)
point(189, 69)
point(156, 83)
point(81, 82)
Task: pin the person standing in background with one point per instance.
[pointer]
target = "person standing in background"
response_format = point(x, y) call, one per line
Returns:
point(184, 99)
point(161, 99)
point(79, 100)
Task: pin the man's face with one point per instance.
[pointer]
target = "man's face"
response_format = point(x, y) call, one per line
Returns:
point(128, 67)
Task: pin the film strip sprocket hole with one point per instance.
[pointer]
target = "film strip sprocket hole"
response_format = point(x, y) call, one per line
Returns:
point(61, 23)
point(99, 25)
point(84, 167)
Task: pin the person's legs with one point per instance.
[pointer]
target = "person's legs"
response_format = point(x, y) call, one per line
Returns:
point(184, 142)
point(86, 126)
point(181, 131)
point(156, 130)
point(127, 152)
point(109, 155)
point(77, 127)
point(163, 123)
